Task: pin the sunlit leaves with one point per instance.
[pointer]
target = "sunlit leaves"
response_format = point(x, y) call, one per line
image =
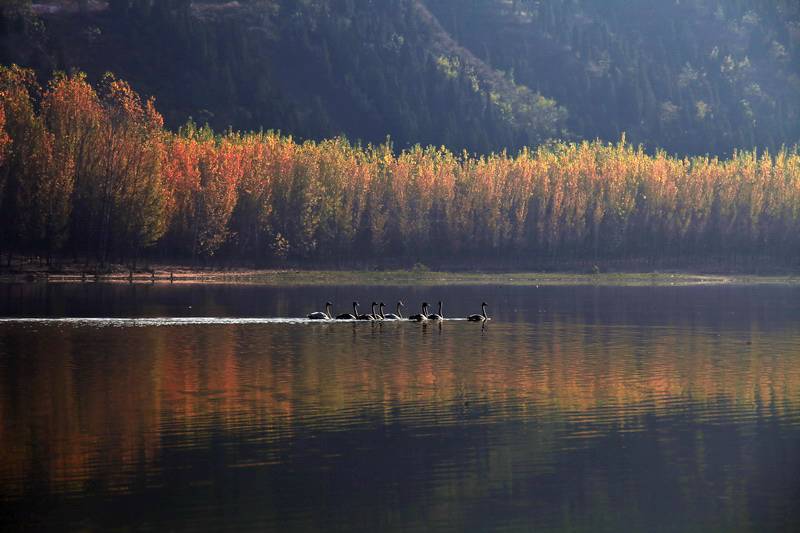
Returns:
point(99, 173)
point(5, 140)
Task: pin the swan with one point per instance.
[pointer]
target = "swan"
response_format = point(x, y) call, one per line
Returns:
point(376, 316)
point(319, 315)
point(348, 316)
point(392, 316)
point(421, 317)
point(361, 317)
point(437, 316)
point(481, 317)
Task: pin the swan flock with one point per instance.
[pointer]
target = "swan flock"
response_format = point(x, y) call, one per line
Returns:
point(378, 314)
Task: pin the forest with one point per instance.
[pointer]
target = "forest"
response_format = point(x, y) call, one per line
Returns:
point(693, 77)
point(315, 70)
point(90, 172)
point(688, 76)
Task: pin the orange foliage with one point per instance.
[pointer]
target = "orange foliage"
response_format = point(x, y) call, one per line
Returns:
point(5, 140)
point(129, 184)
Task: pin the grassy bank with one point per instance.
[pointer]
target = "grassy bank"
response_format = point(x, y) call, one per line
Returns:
point(177, 274)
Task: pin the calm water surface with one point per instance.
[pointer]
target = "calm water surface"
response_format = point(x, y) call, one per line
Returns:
point(575, 408)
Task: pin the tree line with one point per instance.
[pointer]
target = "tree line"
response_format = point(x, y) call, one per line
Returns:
point(91, 172)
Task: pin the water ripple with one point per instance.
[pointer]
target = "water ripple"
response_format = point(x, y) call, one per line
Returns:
point(597, 417)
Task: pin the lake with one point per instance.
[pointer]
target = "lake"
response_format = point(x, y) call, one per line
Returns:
point(576, 408)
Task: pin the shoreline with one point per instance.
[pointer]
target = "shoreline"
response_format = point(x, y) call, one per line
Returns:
point(182, 275)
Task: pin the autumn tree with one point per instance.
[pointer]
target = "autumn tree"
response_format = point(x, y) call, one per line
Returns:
point(36, 201)
point(204, 176)
point(5, 142)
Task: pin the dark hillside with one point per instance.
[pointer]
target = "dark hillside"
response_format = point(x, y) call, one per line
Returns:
point(691, 77)
point(312, 69)
point(696, 76)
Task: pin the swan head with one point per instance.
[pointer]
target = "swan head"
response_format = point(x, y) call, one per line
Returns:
point(328, 304)
point(484, 304)
point(401, 304)
point(381, 304)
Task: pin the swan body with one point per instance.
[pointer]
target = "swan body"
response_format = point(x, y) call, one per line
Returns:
point(423, 316)
point(393, 316)
point(437, 316)
point(348, 316)
point(481, 317)
point(319, 315)
point(361, 317)
point(376, 316)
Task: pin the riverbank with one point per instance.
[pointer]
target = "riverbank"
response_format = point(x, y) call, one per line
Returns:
point(176, 274)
